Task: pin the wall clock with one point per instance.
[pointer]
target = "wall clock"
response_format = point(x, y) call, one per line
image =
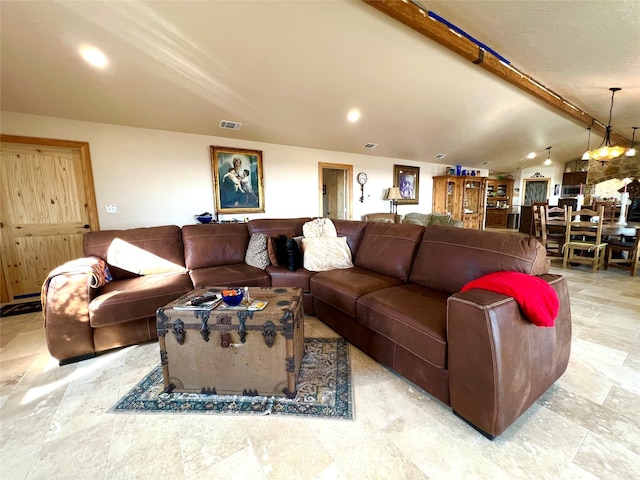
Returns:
point(362, 179)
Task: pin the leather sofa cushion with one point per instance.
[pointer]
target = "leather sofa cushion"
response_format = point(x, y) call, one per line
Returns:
point(450, 257)
point(281, 276)
point(213, 245)
point(353, 230)
point(389, 249)
point(137, 251)
point(342, 288)
point(238, 275)
point(134, 298)
point(273, 227)
point(410, 315)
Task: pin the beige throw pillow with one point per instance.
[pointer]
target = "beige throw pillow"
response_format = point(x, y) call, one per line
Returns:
point(325, 253)
point(319, 227)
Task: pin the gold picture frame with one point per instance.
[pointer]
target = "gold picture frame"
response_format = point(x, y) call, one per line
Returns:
point(407, 179)
point(237, 179)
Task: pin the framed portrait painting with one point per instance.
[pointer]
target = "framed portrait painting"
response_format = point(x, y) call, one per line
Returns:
point(408, 180)
point(237, 178)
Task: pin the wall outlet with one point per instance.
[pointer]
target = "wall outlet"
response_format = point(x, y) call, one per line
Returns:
point(111, 208)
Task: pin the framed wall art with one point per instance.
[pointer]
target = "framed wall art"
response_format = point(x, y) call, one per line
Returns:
point(237, 178)
point(408, 180)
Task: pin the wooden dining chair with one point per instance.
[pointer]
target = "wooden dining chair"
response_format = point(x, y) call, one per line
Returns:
point(609, 215)
point(537, 221)
point(552, 241)
point(556, 213)
point(583, 239)
point(629, 248)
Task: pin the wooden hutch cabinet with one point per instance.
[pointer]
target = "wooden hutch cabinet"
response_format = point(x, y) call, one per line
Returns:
point(461, 196)
point(574, 178)
point(499, 202)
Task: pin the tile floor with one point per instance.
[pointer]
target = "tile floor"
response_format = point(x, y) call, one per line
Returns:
point(54, 422)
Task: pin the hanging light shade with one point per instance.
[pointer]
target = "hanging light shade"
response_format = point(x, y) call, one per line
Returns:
point(606, 151)
point(586, 156)
point(548, 160)
point(632, 151)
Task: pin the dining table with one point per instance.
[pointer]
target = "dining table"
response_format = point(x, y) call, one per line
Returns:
point(608, 229)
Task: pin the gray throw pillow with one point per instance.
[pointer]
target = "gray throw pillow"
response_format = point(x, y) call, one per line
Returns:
point(439, 219)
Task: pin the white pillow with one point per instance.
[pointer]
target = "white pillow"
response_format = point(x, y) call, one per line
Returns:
point(319, 227)
point(325, 253)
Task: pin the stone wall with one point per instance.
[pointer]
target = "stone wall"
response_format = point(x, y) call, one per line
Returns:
point(620, 168)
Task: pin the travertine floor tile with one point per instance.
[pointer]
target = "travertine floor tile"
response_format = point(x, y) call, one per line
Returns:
point(206, 441)
point(607, 459)
point(286, 448)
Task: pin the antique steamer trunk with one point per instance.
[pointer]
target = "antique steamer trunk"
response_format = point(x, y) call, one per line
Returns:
point(235, 351)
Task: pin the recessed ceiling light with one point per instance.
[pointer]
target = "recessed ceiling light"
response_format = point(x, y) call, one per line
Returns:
point(353, 115)
point(94, 56)
point(531, 155)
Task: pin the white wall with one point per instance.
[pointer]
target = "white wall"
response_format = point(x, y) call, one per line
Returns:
point(157, 177)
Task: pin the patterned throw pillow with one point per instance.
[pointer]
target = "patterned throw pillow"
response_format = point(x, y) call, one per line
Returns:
point(439, 219)
point(257, 255)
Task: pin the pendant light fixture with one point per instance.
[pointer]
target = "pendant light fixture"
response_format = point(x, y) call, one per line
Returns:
point(606, 151)
point(632, 151)
point(585, 155)
point(547, 162)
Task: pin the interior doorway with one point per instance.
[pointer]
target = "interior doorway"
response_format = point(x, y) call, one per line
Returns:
point(335, 190)
point(536, 190)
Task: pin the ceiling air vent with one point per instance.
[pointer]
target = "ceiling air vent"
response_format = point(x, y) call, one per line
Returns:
point(230, 125)
point(440, 156)
point(370, 145)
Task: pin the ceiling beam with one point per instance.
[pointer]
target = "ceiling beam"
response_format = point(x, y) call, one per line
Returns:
point(411, 14)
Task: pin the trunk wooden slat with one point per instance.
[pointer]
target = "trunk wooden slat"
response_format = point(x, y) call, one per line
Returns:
point(234, 351)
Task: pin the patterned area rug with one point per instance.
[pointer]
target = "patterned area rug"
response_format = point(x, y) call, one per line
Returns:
point(20, 308)
point(324, 390)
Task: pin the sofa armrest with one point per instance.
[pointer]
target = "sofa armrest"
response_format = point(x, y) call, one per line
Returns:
point(66, 294)
point(499, 362)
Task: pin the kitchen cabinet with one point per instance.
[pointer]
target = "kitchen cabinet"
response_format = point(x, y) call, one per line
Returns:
point(463, 197)
point(499, 202)
point(574, 178)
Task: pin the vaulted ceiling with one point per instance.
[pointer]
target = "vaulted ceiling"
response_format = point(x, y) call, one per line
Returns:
point(290, 71)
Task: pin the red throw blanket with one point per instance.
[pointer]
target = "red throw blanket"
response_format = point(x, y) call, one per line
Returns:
point(537, 300)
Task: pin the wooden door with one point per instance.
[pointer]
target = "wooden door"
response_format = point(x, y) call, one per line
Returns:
point(536, 190)
point(335, 190)
point(48, 203)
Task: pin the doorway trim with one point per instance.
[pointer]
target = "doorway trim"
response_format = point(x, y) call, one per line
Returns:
point(348, 169)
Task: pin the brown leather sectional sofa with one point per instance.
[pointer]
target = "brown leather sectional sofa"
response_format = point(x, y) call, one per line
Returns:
point(400, 303)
